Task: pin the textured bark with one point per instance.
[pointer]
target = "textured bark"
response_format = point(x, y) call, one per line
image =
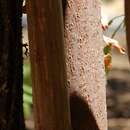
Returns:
point(127, 20)
point(85, 69)
point(45, 25)
point(11, 80)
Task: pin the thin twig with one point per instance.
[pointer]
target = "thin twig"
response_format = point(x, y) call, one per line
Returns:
point(111, 21)
point(117, 29)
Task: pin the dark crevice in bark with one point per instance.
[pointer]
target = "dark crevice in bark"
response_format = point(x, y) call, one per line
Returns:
point(64, 4)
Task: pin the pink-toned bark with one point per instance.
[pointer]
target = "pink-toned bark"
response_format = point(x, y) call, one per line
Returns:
point(85, 67)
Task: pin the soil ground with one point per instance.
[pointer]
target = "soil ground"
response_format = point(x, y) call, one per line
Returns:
point(118, 99)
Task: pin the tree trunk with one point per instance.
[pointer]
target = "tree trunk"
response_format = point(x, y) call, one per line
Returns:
point(85, 69)
point(45, 25)
point(127, 20)
point(11, 78)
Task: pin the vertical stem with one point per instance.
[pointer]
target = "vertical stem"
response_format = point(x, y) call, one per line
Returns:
point(11, 63)
point(85, 68)
point(45, 25)
point(127, 21)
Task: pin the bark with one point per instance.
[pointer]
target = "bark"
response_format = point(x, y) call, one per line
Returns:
point(127, 20)
point(11, 78)
point(50, 97)
point(85, 69)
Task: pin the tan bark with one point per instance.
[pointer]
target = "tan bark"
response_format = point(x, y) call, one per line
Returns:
point(85, 69)
point(50, 96)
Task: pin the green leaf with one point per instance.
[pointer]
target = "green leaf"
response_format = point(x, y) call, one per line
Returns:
point(27, 89)
point(27, 98)
point(107, 49)
point(27, 110)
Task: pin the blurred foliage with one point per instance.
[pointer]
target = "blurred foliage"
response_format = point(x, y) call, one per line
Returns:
point(111, 43)
point(27, 96)
point(121, 24)
point(108, 1)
